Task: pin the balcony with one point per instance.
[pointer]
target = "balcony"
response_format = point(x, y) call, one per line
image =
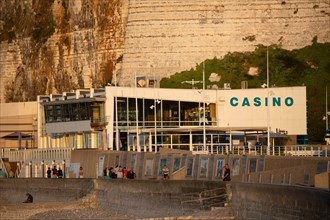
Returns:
point(98, 123)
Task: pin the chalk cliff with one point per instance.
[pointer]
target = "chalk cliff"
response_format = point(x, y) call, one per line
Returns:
point(164, 37)
point(49, 46)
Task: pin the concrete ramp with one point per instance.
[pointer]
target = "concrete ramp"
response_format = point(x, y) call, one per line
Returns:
point(152, 198)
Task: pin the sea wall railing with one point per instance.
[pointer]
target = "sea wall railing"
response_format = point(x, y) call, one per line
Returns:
point(226, 148)
point(289, 150)
point(223, 149)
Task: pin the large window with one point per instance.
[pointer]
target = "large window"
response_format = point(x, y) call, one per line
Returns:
point(97, 112)
point(168, 113)
point(74, 112)
point(189, 113)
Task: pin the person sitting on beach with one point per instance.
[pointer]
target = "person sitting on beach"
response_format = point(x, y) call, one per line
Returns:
point(29, 198)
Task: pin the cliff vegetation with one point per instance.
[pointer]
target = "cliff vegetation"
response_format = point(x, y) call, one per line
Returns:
point(308, 66)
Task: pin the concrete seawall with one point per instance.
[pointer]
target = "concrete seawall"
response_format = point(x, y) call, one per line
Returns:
point(141, 198)
point(13, 191)
point(263, 201)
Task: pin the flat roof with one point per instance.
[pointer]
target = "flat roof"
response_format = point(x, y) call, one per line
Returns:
point(68, 101)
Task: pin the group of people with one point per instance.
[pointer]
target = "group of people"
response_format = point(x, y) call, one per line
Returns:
point(118, 173)
point(54, 173)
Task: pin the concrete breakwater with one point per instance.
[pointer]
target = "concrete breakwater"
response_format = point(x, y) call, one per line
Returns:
point(160, 199)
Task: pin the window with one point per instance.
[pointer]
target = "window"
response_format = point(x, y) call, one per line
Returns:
point(148, 167)
point(190, 166)
point(235, 167)
point(253, 165)
point(73, 112)
point(117, 160)
point(176, 166)
point(162, 163)
point(220, 165)
point(133, 161)
point(204, 164)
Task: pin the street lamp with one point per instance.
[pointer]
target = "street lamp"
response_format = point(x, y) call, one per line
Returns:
point(268, 111)
point(64, 168)
point(327, 113)
point(43, 168)
point(30, 166)
point(204, 115)
point(154, 107)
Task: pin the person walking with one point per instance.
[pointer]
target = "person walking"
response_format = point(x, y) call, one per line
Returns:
point(49, 173)
point(54, 172)
point(81, 173)
point(60, 173)
point(226, 176)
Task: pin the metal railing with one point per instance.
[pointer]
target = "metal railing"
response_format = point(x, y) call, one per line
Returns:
point(3, 167)
point(226, 148)
point(36, 154)
point(223, 149)
point(207, 198)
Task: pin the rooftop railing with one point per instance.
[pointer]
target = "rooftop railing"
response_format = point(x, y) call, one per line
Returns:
point(36, 154)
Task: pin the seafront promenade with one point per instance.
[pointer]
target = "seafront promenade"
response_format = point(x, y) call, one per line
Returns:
point(284, 167)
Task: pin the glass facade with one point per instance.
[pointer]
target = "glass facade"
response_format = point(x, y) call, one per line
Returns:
point(66, 112)
point(168, 113)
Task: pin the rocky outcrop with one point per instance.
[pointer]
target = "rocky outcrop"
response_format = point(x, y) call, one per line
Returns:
point(54, 46)
point(51, 46)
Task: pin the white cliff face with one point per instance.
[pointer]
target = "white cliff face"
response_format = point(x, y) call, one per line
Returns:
point(54, 46)
point(165, 37)
point(62, 45)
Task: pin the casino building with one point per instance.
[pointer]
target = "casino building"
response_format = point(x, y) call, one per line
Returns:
point(147, 119)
